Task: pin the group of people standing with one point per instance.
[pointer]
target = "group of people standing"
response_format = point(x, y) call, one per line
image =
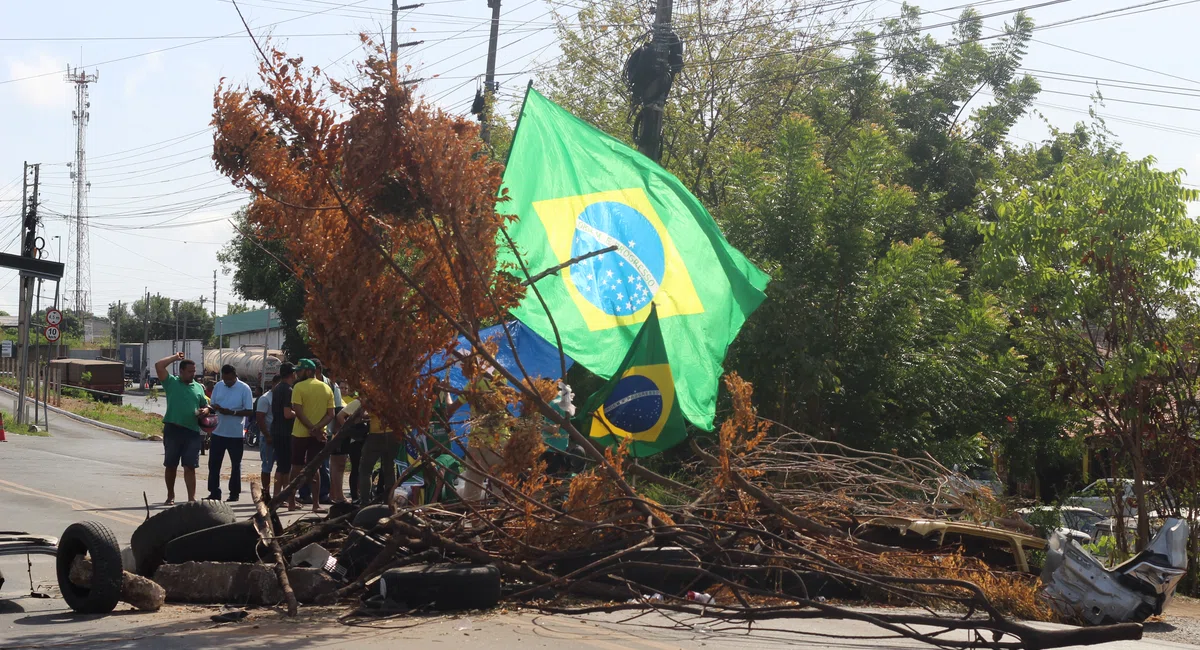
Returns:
point(296, 419)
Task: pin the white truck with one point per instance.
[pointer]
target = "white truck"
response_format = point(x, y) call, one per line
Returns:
point(191, 348)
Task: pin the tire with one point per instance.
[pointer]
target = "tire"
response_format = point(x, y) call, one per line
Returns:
point(448, 587)
point(370, 515)
point(237, 542)
point(150, 540)
point(97, 541)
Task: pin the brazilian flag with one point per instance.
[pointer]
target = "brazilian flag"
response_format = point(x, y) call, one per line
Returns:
point(639, 401)
point(576, 190)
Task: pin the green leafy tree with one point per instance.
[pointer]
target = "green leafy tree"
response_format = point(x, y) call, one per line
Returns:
point(166, 318)
point(236, 308)
point(1097, 263)
point(877, 350)
point(261, 272)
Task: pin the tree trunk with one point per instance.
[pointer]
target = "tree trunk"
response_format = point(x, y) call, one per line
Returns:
point(1139, 494)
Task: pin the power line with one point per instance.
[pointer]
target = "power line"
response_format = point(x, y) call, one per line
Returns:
point(175, 47)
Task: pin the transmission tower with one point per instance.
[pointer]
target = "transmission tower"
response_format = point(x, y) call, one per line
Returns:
point(83, 280)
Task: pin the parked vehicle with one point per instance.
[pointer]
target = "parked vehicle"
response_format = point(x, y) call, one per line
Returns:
point(1076, 522)
point(248, 361)
point(155, 350)
point(1079, 586)
point(1098, 496)
point(131, 356)
point(104, 378)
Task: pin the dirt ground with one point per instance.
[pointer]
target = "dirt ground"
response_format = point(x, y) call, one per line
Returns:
point(1180, 623)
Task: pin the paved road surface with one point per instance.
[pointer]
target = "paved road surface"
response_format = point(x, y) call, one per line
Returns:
point(47, 624)
point(83, 472)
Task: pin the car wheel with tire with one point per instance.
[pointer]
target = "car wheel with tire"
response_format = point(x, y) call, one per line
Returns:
point(150, 540)
point(236, 542)
point(447, 587)
point(370, 515)
point(97, 541)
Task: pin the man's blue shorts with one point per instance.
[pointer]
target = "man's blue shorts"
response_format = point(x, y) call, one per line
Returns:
point(181, 446)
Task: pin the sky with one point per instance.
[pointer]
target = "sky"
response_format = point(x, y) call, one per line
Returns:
point(158, 211)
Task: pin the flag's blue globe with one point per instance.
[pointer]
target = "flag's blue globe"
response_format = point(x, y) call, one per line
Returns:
point(635, 405)
point(623, 281)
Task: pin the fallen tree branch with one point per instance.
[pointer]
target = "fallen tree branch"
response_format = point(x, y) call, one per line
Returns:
point(262, 524)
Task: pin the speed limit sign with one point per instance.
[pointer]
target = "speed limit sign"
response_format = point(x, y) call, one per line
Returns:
point(53, 317)
point(51, 333)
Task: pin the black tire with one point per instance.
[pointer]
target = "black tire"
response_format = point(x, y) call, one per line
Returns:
point(150, 540)
point(447, 587)
point(237, 542)
point(97, 541)
point(370, 515)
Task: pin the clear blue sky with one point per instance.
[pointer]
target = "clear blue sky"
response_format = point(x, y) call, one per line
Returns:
point(157, 207)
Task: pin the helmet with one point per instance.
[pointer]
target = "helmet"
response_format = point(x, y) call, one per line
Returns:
point(207, 422)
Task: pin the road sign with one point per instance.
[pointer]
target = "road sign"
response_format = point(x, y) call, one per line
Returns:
point(6, 349)
point(51, 333)
point(53, 317)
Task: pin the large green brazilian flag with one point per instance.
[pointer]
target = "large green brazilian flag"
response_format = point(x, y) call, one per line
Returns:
point(638, 402)
point(577, 190)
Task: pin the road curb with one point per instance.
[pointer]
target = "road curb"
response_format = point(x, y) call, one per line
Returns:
point(79, 418)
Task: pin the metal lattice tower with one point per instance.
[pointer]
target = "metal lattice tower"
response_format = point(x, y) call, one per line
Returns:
point(83, 279)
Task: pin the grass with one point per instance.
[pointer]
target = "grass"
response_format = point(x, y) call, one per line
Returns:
point(126, 417)
point(11, 426)
point(80, 403)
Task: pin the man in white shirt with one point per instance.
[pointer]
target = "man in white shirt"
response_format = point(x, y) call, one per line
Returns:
point(233, 401)
point(266, 446)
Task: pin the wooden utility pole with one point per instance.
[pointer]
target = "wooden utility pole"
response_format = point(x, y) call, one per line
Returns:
point(489, 79)
point(650, 140)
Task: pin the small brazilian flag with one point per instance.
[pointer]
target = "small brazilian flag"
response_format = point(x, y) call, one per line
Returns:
point(576, 191)
point(638, 402)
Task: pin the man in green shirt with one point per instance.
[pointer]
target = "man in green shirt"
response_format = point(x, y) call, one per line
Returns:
point(181, 432)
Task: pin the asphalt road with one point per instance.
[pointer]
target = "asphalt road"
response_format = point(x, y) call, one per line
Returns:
point(82, 472)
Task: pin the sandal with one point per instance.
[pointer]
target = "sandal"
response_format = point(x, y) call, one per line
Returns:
point(169, 502)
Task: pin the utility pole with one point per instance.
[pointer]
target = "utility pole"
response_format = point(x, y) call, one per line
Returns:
point(146, 340)
point(185, 350)
point(396, 45)
point(28, 249)
point(489, 79)
point(83, 281)
point(395, 42)
point(120, 308)
point(656, 72)
point(37, 346)
point(220, 331)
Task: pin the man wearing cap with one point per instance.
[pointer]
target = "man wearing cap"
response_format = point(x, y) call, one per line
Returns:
point(234, 402)
point(312, 407)
point(186, 403)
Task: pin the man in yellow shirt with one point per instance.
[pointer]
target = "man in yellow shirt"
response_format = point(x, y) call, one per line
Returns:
point(312, 408)
point(380, 447)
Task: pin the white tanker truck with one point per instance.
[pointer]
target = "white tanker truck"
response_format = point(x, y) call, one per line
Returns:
point(247, 361)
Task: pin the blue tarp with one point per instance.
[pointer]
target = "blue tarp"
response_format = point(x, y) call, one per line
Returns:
point(539, 357)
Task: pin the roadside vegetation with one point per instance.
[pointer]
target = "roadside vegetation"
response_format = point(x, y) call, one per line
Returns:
point(80, 403)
